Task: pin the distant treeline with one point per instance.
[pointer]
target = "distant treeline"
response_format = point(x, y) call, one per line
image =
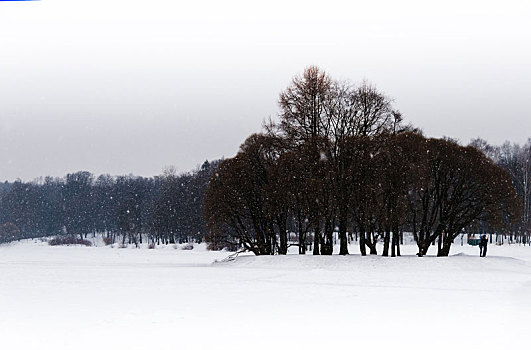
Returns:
point(515, 159)
point(340, 161)
point(165, 209)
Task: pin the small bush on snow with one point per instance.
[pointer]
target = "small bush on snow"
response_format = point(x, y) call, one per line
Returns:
point(220, 245)
point(188, 246)
point(69, 241)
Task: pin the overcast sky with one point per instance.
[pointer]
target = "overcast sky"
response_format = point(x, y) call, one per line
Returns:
point(127, 86)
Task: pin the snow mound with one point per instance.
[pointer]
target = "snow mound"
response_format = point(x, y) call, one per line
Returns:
point(378, 264)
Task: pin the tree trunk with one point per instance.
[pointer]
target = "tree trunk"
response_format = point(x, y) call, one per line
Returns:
point(445, 249)
point(440, 241)
point(363, 250)
point(282, 232)
point(302, 237)
point(343, 241)
point(316, 238)
point(371, 243)
point(399, 241)
point(387, 239)
point(327, 246)
point(316, 243)
point(394, 242)
point(302, 243)
point(423, 246)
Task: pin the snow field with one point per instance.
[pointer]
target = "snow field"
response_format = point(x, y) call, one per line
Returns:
point(108, 298)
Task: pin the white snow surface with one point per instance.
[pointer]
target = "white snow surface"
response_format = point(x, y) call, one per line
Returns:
point(76, 297)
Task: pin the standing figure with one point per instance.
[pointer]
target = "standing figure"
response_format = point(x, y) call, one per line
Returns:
point(483, 245)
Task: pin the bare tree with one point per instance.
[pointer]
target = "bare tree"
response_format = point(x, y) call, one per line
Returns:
point(238, 202)
point(306, 106)
point(458, 186)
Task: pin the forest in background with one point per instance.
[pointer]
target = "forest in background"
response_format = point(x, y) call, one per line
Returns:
point(340, 161)
point(125, 209)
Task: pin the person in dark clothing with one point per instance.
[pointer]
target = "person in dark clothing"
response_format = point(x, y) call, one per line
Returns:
point(483, 245)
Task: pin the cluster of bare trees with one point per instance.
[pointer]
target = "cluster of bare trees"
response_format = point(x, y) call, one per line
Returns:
point(341, 160)
point(515, 159)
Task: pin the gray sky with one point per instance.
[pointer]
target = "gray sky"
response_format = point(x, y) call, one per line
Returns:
point(128, 86)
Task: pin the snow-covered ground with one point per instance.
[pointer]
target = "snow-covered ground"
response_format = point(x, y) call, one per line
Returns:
point(109, 298)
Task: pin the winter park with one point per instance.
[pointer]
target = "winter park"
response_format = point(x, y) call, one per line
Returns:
point(228, 175)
